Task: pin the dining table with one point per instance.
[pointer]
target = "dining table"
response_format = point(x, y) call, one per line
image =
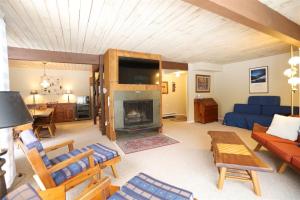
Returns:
point(37, 113)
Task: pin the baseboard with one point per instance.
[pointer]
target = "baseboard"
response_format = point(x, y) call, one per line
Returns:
point(169, 115)
point(192, 121)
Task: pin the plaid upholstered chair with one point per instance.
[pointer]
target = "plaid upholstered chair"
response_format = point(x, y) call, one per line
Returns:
point(27, 192)
point(69, 169)
point(141, 186)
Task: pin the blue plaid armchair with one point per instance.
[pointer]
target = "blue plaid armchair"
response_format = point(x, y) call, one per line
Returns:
point(69, 169)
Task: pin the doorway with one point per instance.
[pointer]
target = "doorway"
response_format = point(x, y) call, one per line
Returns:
point(174, 95)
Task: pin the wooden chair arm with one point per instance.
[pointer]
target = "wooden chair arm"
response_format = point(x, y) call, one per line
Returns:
point(99, 190)
point(69, 143)
point(53, 193)
point(259, 128)
point(65, 163)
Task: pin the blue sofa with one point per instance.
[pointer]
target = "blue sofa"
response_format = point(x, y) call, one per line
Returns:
point(260, 109)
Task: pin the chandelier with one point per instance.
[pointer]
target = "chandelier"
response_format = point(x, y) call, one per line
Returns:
point(45, 83)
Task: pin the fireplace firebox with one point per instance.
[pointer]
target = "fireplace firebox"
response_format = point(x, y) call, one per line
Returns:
point(138, 113)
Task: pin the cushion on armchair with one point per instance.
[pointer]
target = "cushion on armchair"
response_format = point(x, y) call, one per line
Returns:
point(144, 187)
point(72, 170)
point(101, 154)
point(30, 141)
point(24, 192)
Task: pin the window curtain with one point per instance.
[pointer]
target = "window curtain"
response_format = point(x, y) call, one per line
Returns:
point(6, 137)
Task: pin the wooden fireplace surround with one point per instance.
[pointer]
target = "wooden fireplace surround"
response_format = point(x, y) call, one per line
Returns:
point(111, 83)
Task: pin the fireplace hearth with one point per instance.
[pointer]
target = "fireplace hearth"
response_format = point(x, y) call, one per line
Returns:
point(138, 113)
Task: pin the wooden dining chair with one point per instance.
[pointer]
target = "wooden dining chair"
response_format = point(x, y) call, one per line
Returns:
point(45, 122)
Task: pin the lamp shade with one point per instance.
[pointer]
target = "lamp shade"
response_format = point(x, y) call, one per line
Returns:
point(68, 92)
point(13, 110)
point(34, 92)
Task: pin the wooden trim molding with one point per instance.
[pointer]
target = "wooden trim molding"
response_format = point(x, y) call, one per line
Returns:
point(256, 15)
point(174, 65)
point(52, 56)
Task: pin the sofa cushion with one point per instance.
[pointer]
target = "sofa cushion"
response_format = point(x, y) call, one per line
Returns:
point(145, 187)
point(296, 162)
point(260, 119)
point(264, 100)
point(247, 109)
point(235, 119)
point(282, 110)
point(284, 151)
point(285, 127)
point(30, 141)
point(263, 138)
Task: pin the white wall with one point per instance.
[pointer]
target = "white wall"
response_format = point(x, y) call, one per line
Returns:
point(202, 69)
point(26, 79)
point(6, 138)
point(175, 102)
point(232, 84)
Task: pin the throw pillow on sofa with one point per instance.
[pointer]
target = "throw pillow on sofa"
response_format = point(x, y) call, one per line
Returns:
point(284, 127)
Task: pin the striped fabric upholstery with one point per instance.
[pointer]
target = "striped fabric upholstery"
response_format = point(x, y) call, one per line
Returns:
point(24, 192)
point(30, 141)
point(145, 187)
point(70, 171)
point(101, 154)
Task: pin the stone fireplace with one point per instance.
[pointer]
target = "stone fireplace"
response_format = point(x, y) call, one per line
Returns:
point(138, 113)
point(137, 110)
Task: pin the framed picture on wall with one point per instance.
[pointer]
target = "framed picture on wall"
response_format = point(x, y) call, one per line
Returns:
point(164, 87)
point(259, 80)
point(202, 83)
point(173, 86)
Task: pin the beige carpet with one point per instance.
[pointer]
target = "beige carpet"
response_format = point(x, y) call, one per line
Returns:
point(188, 164)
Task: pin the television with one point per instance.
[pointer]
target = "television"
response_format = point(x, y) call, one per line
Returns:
point(138, 71)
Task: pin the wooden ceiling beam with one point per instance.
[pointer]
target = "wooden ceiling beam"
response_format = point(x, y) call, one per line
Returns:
point(52, 56)
point(174, 65)
point(256, 15)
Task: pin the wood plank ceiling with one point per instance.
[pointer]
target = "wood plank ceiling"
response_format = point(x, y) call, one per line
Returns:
point(49, 65)
point(175, 29)
point(288, 8)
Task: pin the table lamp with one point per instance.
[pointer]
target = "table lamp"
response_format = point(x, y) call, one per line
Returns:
point(13, 113)
point(68, 92)
point(33, 93)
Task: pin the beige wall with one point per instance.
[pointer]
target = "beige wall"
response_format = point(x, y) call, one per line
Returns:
point(175, 102)
point(27, 79)
point(232, 84)
point(201, 69)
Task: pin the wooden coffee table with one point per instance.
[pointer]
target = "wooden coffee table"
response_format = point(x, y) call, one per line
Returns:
point(235, 160)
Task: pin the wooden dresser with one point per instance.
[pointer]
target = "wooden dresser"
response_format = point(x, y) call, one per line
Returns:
point(205, 110)
point(64, 112)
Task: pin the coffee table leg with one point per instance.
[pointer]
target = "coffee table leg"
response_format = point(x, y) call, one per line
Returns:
point(221, 177)
point(255, 183)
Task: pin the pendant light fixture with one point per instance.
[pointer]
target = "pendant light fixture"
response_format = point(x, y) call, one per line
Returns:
point(44, 79)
